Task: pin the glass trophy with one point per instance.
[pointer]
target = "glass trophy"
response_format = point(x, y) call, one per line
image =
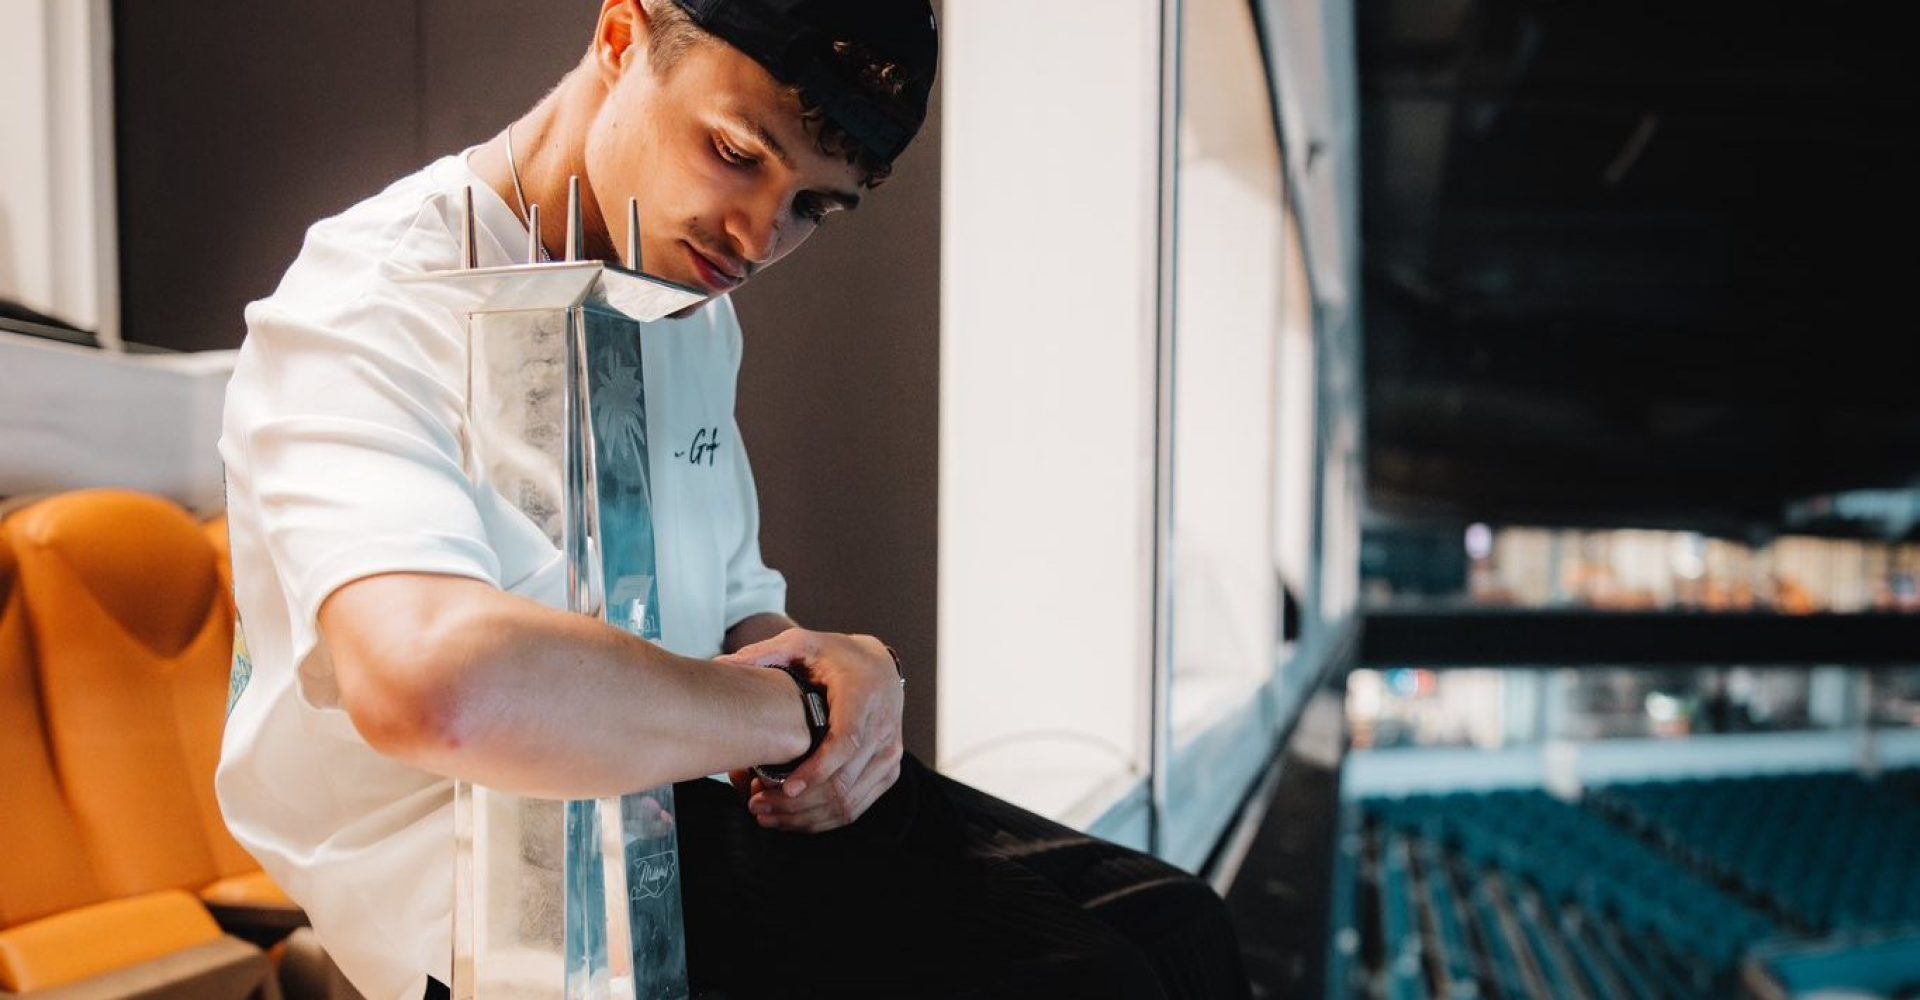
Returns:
point(568, 899)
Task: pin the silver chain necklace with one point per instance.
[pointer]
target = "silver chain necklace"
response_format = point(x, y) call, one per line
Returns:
point(520, 195)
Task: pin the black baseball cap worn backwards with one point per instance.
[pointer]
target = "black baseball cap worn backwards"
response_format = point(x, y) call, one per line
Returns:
point(799, 42)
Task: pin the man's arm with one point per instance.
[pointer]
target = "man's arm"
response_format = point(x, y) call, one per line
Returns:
point(756, 628)
point(454, 676)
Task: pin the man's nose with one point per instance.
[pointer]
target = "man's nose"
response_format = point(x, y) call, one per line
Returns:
point(756, 232)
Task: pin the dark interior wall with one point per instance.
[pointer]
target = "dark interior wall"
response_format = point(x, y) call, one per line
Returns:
point(236, 125)
point(240, 123)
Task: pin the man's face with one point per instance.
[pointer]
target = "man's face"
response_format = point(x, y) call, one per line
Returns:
point(728, 178)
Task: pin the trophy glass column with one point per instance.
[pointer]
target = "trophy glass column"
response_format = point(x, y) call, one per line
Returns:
point(568, 899)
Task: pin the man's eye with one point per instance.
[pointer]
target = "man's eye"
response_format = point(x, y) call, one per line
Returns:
point(810, 209)
point(732, 155)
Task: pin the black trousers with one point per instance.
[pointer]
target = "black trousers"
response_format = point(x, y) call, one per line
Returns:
point(940, 891)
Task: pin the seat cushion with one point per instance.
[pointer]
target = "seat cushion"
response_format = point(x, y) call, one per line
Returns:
point(250, 889)
point(101, 938)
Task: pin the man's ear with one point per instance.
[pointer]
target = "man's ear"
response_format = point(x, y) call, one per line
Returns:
point(619, 38)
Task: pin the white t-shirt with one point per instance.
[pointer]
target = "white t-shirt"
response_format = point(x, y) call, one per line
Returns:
point(342, 440)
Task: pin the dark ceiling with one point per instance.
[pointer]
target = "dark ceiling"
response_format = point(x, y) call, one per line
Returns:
point(1636, 263)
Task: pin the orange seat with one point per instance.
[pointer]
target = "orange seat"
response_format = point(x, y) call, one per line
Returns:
point(134, 636)
point(43, 868)
point(216, 529)
point(57, 924)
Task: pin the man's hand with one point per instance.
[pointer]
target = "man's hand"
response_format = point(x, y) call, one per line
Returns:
point(860, 757)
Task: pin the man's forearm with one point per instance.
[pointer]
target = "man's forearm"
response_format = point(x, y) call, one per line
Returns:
point(516, 696)
point(756, 628)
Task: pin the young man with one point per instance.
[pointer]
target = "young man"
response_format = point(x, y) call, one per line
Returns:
point(388, 603)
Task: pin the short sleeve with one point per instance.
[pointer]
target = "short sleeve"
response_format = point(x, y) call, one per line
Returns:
point(348, 426)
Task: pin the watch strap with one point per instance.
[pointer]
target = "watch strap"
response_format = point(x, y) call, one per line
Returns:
point(813, 701)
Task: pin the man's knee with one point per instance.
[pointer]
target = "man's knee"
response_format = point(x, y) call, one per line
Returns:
point(1195, 903)
point(1156, 901)
point(1127, 888)
point(1186, 933)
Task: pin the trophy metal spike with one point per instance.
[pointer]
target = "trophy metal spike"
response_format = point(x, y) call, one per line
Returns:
point(576, 228)
point(633, 234)
point(469, 238)
point(533, 234)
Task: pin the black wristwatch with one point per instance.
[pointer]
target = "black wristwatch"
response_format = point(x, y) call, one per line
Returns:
point(813, 701)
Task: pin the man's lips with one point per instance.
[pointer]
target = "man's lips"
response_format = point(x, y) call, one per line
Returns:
point(712, 274)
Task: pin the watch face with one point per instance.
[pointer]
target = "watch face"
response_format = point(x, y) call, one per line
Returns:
point(772, 775)
point(816, 711)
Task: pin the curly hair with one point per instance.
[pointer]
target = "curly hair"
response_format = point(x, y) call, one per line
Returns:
point(673, 32)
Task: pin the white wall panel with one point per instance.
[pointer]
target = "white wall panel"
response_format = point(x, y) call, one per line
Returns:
point(1047, 367)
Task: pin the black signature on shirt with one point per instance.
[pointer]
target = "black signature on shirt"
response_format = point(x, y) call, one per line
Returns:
point(706, 442)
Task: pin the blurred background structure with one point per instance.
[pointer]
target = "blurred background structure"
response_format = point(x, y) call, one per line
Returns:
point(1633, 712)
point(1446, 470)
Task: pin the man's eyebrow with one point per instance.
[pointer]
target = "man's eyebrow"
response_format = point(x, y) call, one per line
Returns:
point(847, 200)
point(765, 138)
